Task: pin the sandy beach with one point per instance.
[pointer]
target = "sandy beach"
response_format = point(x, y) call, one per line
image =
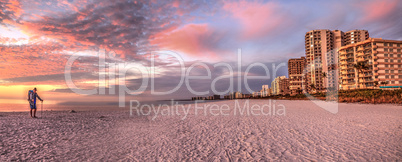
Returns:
point(358, 132)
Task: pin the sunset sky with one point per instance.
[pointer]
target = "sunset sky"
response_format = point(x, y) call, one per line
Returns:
point(37, 37)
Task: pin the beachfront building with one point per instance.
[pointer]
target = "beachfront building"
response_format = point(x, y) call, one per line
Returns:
point(355, 36)
point(247, 95)
point(296, 68)
point(256, 94)
point(275, 85)
point(265, 91)
point(235, 95)
point(321, 47)
point(317, 44)
point(284, 86)
point(383, 60)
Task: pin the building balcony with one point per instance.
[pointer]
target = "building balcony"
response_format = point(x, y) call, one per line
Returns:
point(367, 47)
point(365, 75)
point(350, 56)
point(343, 57)
point(368, 74)
point(366, 80)
point(367, 52)
point(342, 53)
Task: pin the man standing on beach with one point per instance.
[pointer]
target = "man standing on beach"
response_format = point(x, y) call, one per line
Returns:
point(32, 102)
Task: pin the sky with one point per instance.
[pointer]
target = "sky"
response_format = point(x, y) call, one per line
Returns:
point(38, 38)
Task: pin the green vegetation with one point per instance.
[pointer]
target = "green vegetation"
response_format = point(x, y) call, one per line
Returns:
point(373, 96)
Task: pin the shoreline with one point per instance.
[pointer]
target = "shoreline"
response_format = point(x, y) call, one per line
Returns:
point(127, 108)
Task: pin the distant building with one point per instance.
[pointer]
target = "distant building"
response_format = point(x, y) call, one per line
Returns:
point(235, 95)
point(238, 95)
point(265, 91)
point(247, 96)
point(275, 85)
point(256, 94)
point(384, 61)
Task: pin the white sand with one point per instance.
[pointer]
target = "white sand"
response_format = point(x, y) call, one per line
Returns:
point(359, 132)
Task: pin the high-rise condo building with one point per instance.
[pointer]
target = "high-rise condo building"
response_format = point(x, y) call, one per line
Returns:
point(321, 47)
point(355, 36)
point(317, 44)
point(284, 86)
point(382, 60)
point(296, 68)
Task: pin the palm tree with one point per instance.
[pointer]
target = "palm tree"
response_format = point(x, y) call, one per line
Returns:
point(312, 86)
point(324, 75)
point(360, 67)
point(299, 91)
point(376, 83)
point(384, 83)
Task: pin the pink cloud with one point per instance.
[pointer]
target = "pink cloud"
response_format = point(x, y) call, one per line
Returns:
point(191, 39)
point(257, 18)
point(376, 9)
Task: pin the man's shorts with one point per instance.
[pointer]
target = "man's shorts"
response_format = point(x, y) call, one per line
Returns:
point(33, 106)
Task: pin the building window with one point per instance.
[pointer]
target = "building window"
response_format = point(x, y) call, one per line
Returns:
point(385, 49)
point(386, 60)
point(398, 50)
point(385, 55)
point(386, 71)
point(391, 55)
point(387, 76)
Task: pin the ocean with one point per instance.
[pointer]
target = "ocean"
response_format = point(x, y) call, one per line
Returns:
point(87, 106)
